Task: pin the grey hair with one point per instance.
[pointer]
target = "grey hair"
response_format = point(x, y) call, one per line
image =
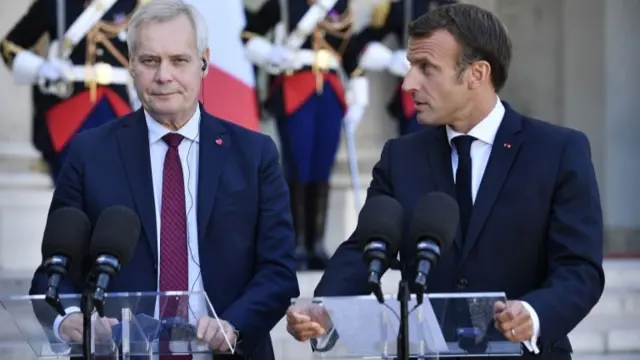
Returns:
point(166, 10)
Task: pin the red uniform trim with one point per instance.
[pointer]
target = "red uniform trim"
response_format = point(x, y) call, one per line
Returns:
point(65, 118)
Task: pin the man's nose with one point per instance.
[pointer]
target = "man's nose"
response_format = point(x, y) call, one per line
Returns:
point(163, 75)
point(409, 84)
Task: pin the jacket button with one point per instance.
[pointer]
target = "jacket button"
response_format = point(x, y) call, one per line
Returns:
point(463, 283)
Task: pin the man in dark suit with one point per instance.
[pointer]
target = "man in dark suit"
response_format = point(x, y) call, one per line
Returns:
point(210, 195)
point(530, 213)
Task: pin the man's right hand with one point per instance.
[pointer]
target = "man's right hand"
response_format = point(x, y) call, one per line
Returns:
point(307, 321)
point(71, 328)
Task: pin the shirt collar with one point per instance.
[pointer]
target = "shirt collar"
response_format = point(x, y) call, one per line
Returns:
point(486, 129)
point(190, 130)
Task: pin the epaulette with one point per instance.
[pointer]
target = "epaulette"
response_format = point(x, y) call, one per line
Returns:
point(380, 14)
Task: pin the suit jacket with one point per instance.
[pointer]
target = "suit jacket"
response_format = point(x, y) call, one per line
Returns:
point(535, 232)
point(245, 231)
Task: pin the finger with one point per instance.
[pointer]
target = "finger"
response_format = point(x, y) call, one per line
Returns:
point(310, 327)
point(75, 336)
point(505, 316)
point(228, 340)
point(499, 307)
point(210, 333)
point(310, 334)
point(300, 318)
point(523, 331)
point(203, 324)
point(113, 321)
point(291, 317)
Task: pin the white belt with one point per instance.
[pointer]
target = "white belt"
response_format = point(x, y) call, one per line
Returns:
point(305, 57)
point(101, 73)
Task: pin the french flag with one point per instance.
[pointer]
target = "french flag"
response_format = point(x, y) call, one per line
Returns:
point(228, 90)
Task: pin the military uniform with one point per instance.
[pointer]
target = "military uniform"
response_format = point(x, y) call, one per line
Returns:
point(307, 98)
point(95, 87)
point(393, 17)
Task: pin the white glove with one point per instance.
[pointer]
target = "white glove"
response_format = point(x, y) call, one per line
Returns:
point(55, 69)
point(278, 60)
point(357, 100)
point(399, 65)
point(353, 117)
point(375, 57)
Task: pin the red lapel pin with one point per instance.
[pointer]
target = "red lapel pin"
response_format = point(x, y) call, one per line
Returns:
point(219, 141)
point(507, 145)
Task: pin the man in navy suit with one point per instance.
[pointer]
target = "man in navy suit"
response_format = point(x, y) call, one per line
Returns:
point(530, 213)
point(210, 195)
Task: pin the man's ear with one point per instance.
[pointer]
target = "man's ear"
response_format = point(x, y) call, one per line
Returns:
point(205, 61)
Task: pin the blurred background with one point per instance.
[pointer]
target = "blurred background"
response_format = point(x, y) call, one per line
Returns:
point(576, 63)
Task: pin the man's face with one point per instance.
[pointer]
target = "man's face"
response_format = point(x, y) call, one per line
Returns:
point(167, 68)
point(438, 90)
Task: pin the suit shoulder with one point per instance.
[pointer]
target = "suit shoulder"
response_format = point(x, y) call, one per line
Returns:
point(99, 133)
point(413, 140)
point(251, 143)
point(551, 133)
point(243, 133)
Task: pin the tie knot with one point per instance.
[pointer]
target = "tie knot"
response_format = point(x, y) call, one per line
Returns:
point(173, 139)
point(463, 144)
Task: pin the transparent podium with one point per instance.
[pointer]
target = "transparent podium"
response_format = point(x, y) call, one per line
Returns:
point(135, 325)
point(444, 325)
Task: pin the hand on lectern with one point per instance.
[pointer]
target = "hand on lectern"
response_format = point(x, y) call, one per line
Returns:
point(71, 328)
point(209, 332)
point(307, 321)
point(513, 320)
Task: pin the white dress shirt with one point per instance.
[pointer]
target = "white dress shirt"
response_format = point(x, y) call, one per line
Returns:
point(189, 155)
point(485, 133)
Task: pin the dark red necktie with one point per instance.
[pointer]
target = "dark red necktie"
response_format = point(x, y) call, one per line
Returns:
point(174, 265)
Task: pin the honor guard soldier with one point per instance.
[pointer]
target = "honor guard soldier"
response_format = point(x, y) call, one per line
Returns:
point(393, 17)
point(308, 63)
point(84, 80)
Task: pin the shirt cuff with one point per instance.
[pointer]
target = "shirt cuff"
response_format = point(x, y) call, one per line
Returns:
point(532, 345)
point(59, 319)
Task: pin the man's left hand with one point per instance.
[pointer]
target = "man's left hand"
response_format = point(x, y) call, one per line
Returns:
point(211, 333)
point(513, 320)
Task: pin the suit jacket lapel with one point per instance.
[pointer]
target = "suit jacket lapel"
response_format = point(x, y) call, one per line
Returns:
point(441, 170)
point(214, 151)
point(503, 152)
point(133, 138)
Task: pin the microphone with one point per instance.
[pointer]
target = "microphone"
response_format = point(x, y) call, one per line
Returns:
point(65, 235)
point(114, 239)
point(380, 231)
point(434, 224)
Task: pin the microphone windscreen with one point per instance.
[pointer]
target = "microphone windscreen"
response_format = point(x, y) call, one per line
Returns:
point(381, 219)
point(66, 233)
point(435, 217)
point(116, 233)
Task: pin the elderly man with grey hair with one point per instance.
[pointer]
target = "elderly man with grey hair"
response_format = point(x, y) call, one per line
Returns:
point(210, 195)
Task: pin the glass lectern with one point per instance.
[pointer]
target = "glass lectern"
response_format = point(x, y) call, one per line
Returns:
point(135, 325)
point(444, 325)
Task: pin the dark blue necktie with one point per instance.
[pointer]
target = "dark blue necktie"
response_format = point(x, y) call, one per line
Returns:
point(463, 180)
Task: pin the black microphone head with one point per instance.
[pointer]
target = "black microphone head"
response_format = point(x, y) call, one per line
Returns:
point(66, 234)
point(435, 218)
point(381, 219)
point(116, 233)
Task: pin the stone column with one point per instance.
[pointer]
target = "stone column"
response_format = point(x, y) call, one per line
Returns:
point(24, 193)
point(576, 64)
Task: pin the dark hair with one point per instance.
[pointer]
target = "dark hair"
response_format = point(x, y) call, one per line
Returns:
point(480, 34)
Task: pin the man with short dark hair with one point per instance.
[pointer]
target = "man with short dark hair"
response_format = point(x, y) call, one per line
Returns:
point(530, 213)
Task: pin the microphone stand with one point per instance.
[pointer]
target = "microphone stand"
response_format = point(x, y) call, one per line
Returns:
point(403, 332)
point(87, 309)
